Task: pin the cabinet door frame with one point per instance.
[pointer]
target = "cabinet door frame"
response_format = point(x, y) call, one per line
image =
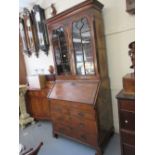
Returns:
point(91, 24)
point(67, 25)
point(54, 27)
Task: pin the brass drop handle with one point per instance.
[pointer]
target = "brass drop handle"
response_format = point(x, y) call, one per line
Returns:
point(126, 121)
point(81, 114)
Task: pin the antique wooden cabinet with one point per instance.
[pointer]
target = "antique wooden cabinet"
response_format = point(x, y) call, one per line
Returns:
point(80, 101)
point(126, 110)
point(37, 102)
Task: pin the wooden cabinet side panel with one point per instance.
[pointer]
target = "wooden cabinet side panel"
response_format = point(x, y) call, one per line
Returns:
point(45, 108)
point(104, 114)
point(100, 45)
point(28, 103)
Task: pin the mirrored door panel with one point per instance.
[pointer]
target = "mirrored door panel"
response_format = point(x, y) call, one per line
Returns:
point(83, 47)
point(61, 51)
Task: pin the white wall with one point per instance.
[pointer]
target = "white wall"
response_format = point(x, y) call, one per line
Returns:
point(119, 32)
point(41, 63)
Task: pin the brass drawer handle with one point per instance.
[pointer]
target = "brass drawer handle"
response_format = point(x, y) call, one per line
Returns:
point(126, 121)
point(81, 114)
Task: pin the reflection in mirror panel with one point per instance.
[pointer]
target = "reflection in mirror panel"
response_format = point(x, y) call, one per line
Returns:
point(61, 52)
point(41, 28)
point(80, 68)
point(79, 57)
point(89, 67)
point(82, 47)
point(23, 37)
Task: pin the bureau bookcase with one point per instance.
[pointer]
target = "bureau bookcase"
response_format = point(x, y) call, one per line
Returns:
point(80, 100)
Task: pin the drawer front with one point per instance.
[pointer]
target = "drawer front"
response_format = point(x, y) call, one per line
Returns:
point(58, 118)
point(81, 106)
point(61, 110)
point(128, 105)
point(128, 138)
point(74, 105)
point(59, 103)
point(63, 129)
point(128, 150)
point(127, 120)
point(75, 123)
point(73, 133)
point(84, 125)
point(87, 138)
point(83, 114)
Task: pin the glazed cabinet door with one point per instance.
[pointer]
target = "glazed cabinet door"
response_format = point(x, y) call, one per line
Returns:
point(61, 50)
point(83, 48)
point(73, 42)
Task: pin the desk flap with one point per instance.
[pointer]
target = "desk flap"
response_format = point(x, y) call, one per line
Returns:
point(76, 91)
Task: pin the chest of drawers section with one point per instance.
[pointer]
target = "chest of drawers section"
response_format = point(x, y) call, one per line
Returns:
point(126, 110)
point(74, 120)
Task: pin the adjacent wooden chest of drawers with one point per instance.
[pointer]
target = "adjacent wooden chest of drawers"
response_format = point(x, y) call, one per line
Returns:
point(126, 110)
point(37, 102)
